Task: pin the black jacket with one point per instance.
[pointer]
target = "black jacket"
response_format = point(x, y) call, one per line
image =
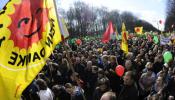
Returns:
point(128, 93)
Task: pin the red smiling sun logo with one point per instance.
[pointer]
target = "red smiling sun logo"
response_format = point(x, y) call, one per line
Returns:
point(137, 30)
point(28, 23)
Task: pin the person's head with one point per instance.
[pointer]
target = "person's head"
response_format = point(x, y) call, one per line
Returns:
point(129, 56)
point(79, 53)
point(89, 64)
point(155, 49)
point(159, 81)
point(77, 60)
point(69, 88)
point(105, 53)
point(94, 58)
point(128, 78)
point(105, 58)
point(74, 76)
point(155, 97)
point(108, 96)
point(173, 70)
point(142, 52)
point(41, 76)
point(58, 90)
point(128, 65)
point(112, 59)
point(170, 71)
point(55, 90)
point(150, 52)
point(170, 97)
point(162, 73)
point(41, 84)
point(65, 62)
point(104, 84)
point(149, 65)
point(59, 56)
point(64, 53)
point(159, 51)
point(101, 73)
point(83, 59)
point(173, 77)
point(94, 69)
point(149, 71)
point(165, 66)
point(138, 57)
point(48, 61)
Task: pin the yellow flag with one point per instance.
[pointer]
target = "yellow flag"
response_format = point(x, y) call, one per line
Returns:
point(124, 43)
point(138, 30)
point(29, 32)
point(123, 27)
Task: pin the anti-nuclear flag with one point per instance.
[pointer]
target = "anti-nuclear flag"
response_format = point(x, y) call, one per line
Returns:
point(29, 31)
point(124, 43)
point(138, 30)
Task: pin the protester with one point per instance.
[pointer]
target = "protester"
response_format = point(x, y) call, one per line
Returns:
point(129, 90)
point(171, 86)
point(44, 92)
point(103, 86)
point(88, 71)
point(74, 91)
point(60, 93)
point(108, 96)
point(146, 81)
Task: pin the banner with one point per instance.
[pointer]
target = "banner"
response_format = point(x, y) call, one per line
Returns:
point(29, 32)
point(164, 40)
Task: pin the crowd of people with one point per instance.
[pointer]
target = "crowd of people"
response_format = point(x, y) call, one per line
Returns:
point(87, 72)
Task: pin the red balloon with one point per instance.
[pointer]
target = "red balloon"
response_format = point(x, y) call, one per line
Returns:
point(120, 70)
point(78, 41)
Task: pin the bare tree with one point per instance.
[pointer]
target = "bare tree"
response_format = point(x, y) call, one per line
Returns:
point(83, 19)
point(170, 19)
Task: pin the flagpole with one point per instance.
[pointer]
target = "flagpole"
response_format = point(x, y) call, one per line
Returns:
point(68, 56)
point(120, 21)
point(158, 25)
point(71, 66)
point(56, 10)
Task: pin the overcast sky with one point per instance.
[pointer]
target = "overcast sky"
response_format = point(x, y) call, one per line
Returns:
point(149, 10)
point(2, 3)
